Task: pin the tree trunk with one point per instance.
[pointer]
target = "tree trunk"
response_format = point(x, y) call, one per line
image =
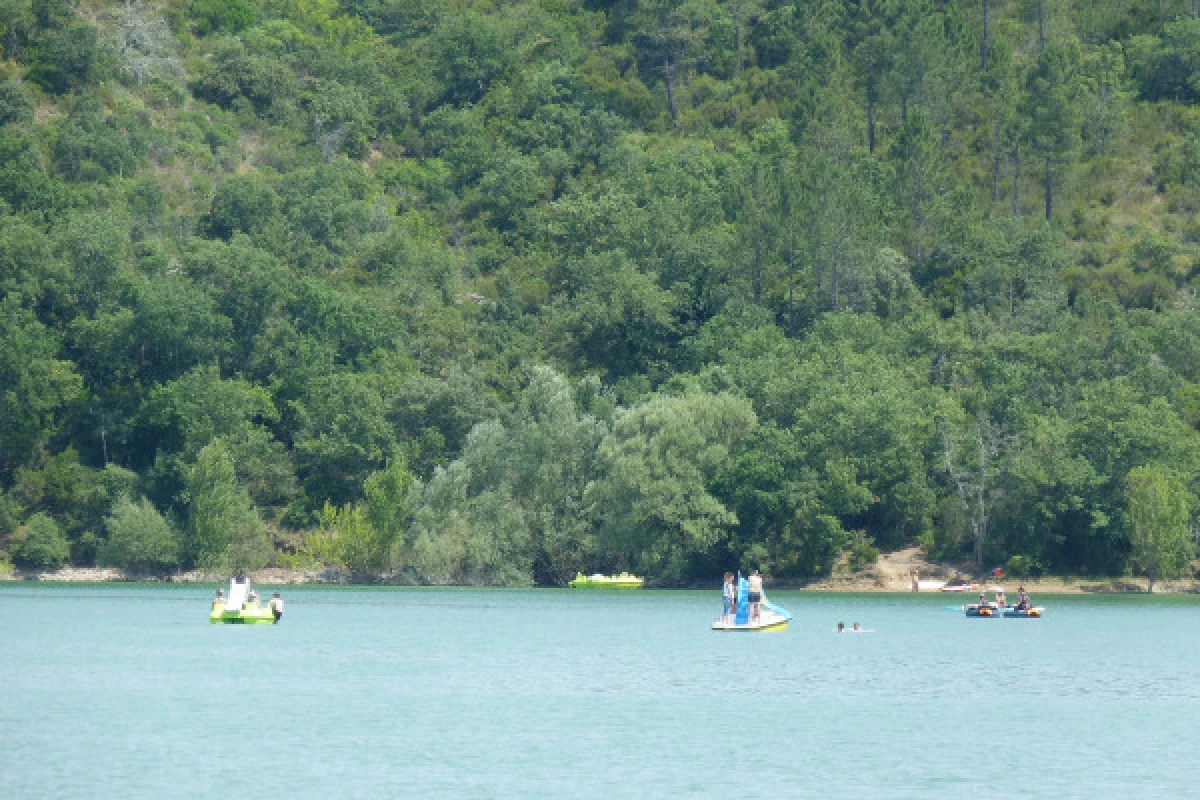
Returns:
point(756, 277)
point(996, 180)
point(670, 88)
point(1016, 168)
point(1049, 193)
point(1041, 24)
point(984, 48)
point(871, 114)
point(833, 289)
point(736, 7)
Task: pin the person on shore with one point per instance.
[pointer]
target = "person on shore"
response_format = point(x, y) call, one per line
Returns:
point(754, 595)
point(276, 605)
point(729, 592)
point(916, 583)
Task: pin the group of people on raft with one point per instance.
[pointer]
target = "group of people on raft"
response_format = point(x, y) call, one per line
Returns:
point(1023, 602)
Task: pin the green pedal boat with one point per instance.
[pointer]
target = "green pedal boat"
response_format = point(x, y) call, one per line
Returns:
point(598, 581)
point(240, 606)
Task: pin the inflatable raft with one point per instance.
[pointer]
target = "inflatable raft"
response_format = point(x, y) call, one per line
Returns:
point(1008, 611)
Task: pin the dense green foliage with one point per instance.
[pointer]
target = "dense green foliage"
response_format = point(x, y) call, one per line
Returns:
point(484, 293)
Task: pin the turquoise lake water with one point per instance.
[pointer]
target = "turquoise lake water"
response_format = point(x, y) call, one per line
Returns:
point(128, 692)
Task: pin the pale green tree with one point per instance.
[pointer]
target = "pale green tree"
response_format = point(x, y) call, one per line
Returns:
point(511, 509)
point(1159, 510)
point(224, 531)
point(653, 505)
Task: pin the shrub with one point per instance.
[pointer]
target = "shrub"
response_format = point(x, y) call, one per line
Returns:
point(139, 538)
point(242, 205)
point(227, 16)
point(16, 104)
point(863, 553)
point(42, 544)
point(70, 59)
point(1023, 567)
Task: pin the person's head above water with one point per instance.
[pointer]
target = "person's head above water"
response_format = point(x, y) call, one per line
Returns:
point(841, 626)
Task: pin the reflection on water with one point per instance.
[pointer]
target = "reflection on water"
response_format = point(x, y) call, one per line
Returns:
point(118, 691)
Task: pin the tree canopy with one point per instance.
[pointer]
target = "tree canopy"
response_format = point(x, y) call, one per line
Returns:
point(479, 293)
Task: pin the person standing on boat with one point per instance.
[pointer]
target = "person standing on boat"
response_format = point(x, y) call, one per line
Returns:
point(754, 596)
point(1001, 600)
point(219, 600)
point(729, 592)
point(276, 605)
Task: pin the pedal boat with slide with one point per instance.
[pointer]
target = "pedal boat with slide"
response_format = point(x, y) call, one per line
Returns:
point(771, 617)
point(239, 608)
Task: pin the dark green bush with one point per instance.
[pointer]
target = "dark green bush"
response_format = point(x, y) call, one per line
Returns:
point(69, 59)
point(224, 16)
point(16, 104)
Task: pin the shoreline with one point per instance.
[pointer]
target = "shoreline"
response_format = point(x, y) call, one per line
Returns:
point(1051, 584)
point(869, 582)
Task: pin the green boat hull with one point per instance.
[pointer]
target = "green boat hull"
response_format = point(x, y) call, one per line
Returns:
point(606, 582)
point(247, 616)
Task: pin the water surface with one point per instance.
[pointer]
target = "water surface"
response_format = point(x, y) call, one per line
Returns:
point(127, 691)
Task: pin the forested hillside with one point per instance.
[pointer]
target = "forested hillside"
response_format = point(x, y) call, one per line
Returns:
point(464, 291)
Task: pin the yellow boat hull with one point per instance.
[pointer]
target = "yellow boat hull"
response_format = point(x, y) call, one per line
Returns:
point(770, 626)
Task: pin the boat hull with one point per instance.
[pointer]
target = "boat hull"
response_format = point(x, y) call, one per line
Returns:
point(249, 616)
point(996, 613)
point(606, 583)
point(777, 625)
